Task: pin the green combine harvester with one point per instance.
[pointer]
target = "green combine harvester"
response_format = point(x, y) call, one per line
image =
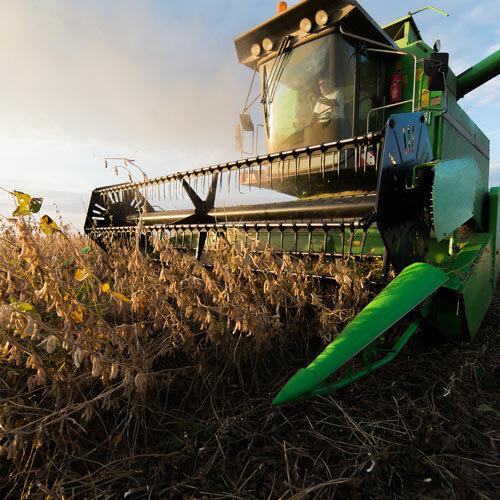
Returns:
point(370, 157)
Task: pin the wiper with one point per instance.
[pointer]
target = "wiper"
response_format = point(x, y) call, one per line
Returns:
point(269, 90)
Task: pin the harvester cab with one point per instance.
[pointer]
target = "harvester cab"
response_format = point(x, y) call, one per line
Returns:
point(369, 155)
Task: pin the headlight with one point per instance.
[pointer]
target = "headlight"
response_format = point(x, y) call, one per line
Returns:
point(305, 25)
point(321, 18)
point(267, 44)
point(255, 50)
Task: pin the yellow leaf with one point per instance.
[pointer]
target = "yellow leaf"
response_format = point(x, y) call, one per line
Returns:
point(77, 315)
point(120, 296)
point(81, 275)
point(106, 288)
point(48, 225)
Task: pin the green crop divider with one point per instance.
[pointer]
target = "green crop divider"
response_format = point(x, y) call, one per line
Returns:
point(409, 289)
point(326, 389)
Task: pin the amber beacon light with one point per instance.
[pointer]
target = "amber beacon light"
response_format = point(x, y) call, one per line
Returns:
point(282, 6)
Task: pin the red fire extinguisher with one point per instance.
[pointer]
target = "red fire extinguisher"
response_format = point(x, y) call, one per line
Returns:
point(396, 87)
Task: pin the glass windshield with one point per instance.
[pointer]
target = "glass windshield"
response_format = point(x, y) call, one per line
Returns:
point(369, 77)
point(308, 94)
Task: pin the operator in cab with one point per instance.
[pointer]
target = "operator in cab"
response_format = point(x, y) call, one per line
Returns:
point(329, 104)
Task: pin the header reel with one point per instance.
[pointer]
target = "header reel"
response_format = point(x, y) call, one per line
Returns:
point(339, 221)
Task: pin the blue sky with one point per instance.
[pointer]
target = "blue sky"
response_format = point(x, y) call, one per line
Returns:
point(158, 81)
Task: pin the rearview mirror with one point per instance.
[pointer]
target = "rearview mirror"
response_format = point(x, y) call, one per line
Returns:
point(436, 69)
point(246, 122)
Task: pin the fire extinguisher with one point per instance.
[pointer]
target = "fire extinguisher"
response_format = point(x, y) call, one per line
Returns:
point(396, 87)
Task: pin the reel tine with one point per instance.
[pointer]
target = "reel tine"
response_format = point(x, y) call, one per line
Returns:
point(363, 241)
point(351, 239)
point(342, 238)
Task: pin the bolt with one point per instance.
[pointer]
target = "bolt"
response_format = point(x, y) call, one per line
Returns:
point(422, 118)
point(391, 123)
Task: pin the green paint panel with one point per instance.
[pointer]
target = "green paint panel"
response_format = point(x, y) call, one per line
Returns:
point(437, 253)
point(495, 228)
point(462, 141)
point(332, 244)
point(414, 284)
point(469, 288)
point(459, 266)
point(447, 315)
point(478, 289)
point(453, 194)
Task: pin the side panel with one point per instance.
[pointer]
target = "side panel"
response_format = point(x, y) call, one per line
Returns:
point(453, 194)
point(494, 228)
point(462, 137)
point(478, 288)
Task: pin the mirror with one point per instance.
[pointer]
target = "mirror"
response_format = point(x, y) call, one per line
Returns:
point(435, 68)
point(246, 122)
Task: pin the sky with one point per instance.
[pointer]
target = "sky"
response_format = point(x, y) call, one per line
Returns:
point(158, 81)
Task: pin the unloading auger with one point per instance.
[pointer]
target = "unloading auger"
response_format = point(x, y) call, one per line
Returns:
point(370, 156)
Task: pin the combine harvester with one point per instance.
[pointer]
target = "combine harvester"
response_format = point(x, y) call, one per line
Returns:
point(371, 157)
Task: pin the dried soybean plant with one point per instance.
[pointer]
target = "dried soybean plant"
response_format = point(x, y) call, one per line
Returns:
point(91, 342)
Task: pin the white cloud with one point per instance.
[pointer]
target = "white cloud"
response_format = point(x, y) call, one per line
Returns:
point(79, 73)
point(487, 94)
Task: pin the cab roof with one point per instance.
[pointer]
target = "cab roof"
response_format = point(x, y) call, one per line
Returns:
point(346, 12)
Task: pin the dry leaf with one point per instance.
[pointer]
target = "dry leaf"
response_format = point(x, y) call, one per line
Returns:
point(120, 296)
point(81, 275)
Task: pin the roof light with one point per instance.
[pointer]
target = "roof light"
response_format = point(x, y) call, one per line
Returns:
point(267, 44)
point(282, 6)
point(305, 25)
point(321, 18)
point(255, 49)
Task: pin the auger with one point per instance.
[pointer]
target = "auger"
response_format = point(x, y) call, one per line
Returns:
point(369, 155)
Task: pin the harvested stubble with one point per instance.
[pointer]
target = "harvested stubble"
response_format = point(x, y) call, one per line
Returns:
point(154, 376)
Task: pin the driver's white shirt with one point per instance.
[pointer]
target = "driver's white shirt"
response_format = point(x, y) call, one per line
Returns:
point(326, 112)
